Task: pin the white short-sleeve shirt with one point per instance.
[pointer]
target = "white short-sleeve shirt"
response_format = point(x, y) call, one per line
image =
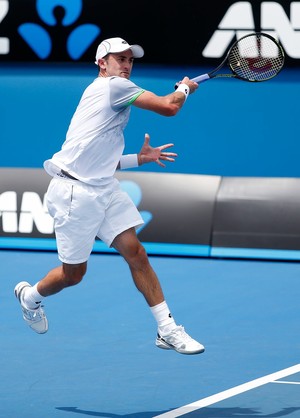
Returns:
point(95, 142)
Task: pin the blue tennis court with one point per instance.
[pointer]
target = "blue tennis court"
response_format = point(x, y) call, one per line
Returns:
point(99, 358)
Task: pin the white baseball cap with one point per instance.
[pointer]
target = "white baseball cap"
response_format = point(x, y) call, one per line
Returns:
point(115, 45)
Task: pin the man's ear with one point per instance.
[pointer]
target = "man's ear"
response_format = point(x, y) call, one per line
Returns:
point(102, 63)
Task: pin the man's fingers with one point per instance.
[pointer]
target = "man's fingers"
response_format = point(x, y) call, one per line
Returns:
point(169, 154)
point(160, 163)
point(162, 157)
point(147, 139)
point(162, 147)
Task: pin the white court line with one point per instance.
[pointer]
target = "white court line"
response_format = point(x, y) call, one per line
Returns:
point(210, 400)
point(286, 382)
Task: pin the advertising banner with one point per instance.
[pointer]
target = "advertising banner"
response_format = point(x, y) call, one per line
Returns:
point(177, 210)
point(184, 214)
point(257, 217)
point(70, 30)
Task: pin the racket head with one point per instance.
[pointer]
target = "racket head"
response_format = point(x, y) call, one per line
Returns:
point(256, 57)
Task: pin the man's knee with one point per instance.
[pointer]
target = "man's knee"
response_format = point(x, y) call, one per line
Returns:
point(129, 246)
point(138, 256)
point(73, 273)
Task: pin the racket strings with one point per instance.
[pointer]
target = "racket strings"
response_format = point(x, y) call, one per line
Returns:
point(256, 58)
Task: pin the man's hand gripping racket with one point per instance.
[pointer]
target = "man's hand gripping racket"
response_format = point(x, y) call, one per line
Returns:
point(254, 57)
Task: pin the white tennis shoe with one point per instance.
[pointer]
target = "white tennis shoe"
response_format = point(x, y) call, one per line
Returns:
point(35, 318)
point(179, 341)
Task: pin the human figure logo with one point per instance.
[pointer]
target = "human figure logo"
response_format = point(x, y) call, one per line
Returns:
point(58, 16)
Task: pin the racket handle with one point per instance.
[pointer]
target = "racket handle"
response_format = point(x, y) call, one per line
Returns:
point(198, 79)
point(201, 78)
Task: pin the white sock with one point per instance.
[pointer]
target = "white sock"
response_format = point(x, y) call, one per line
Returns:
point(32, 297)
point(163, 317)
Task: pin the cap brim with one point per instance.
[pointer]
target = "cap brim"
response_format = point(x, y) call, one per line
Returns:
point(137, 51)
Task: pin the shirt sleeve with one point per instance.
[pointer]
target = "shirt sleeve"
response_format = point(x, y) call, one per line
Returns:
point(123, 92)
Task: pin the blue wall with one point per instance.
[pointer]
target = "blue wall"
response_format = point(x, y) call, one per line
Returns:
point(227, 128)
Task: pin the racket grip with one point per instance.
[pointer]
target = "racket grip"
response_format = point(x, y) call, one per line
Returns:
point(201, 78)
point(198, 79)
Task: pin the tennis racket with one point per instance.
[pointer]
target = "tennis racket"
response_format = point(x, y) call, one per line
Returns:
point(254, 57)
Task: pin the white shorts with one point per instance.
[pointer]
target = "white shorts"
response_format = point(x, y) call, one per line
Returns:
point(83, 212)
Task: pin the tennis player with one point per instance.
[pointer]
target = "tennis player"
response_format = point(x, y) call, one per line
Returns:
point(86, 201)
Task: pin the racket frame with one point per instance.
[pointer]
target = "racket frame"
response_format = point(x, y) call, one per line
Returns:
point(233, 74)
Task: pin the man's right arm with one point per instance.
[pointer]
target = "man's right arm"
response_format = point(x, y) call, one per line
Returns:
point(170, 104)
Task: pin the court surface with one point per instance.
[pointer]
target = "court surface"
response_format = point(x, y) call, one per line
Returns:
point(99, 359)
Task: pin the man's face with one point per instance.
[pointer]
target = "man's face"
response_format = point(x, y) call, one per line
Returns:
point(117, 64)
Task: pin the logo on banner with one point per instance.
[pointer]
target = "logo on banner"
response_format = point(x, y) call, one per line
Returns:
point(55, 17)
point(239, 21)
point(59, 14)
point(33, 211)
point(4, 41)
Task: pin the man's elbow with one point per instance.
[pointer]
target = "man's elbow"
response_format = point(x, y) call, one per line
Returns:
point(171, 110)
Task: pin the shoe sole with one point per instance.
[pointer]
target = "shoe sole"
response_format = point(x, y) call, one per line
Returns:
point(165, 346)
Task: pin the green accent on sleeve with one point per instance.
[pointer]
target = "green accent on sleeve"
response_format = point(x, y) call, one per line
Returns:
point(135, 97)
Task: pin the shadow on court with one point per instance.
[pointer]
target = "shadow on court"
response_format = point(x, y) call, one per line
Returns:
point(204, 413)
point(109, 415)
